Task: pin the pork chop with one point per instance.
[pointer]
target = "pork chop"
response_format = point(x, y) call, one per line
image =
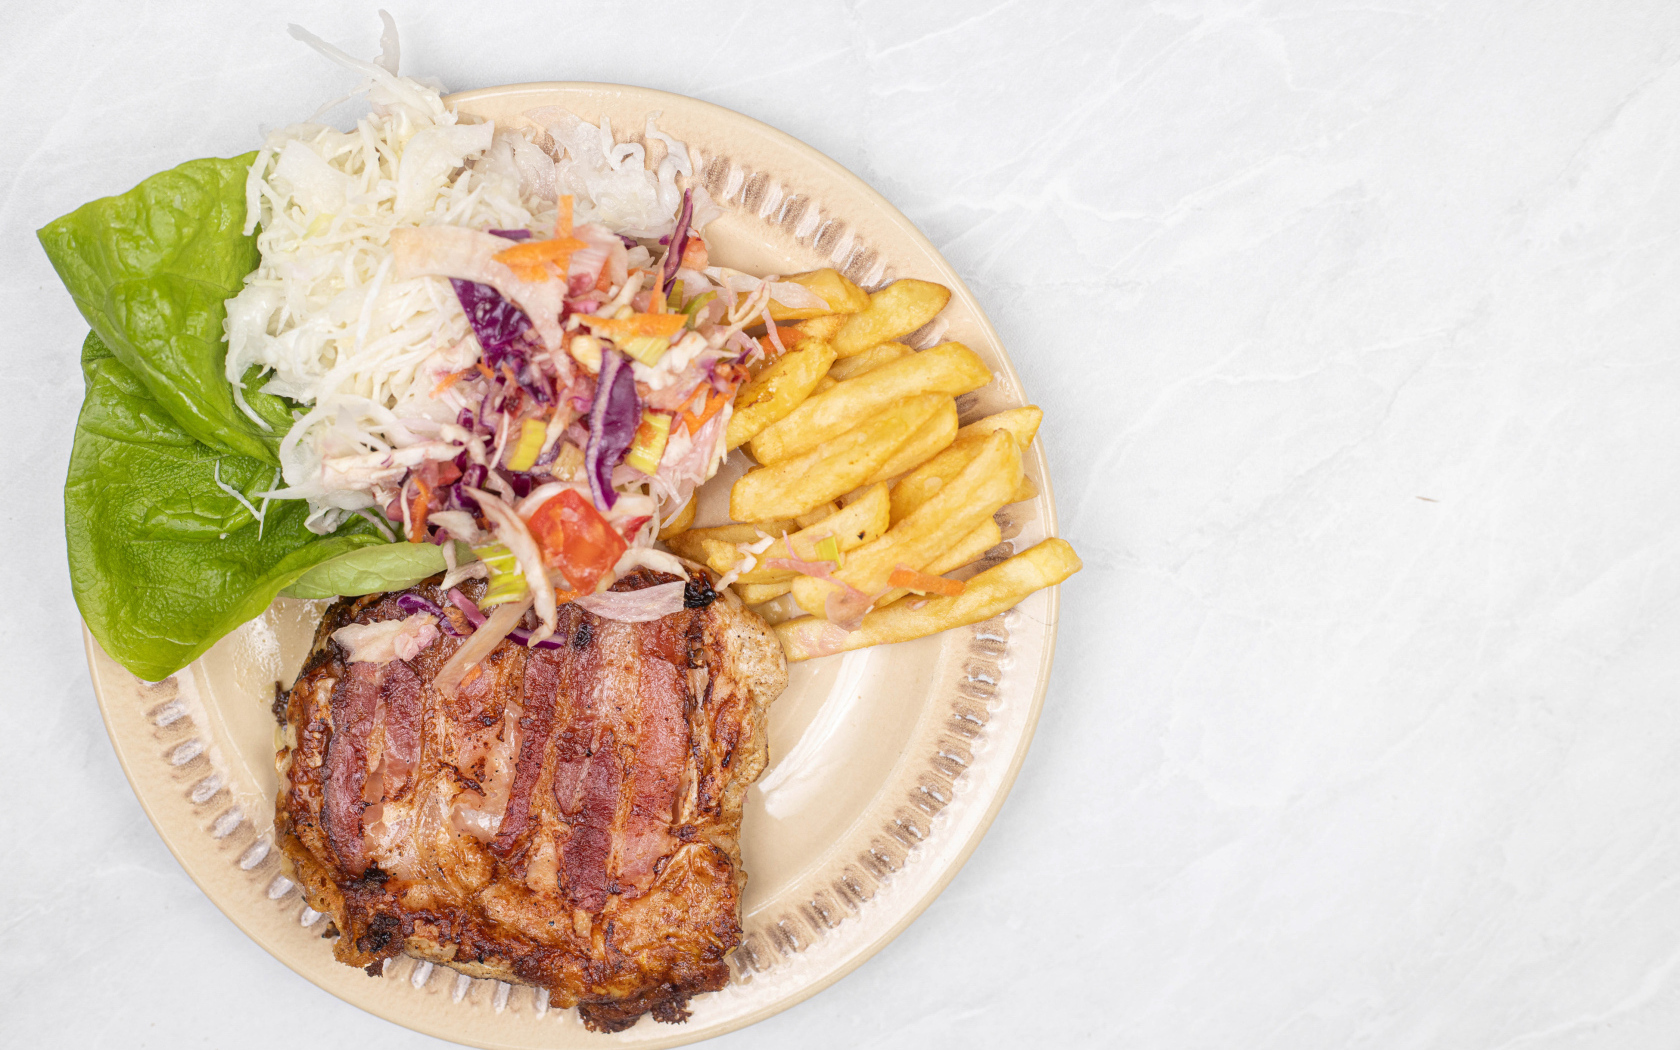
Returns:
point(569, 819)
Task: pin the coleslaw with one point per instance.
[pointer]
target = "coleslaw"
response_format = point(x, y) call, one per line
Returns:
point(507, 338)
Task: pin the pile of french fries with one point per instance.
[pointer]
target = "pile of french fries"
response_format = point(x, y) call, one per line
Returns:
point(864, 473)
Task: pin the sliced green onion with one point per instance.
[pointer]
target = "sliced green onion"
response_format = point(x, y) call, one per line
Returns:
point(647, 349)
point(699, 303)
point(507, 581)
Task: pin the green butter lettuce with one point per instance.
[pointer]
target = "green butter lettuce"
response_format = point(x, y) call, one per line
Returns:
point(150, 270)
point(163, 562)
point(369, 570)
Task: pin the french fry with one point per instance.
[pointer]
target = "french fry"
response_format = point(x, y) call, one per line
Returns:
point(898, 309)
point(861, 522)
point(778, 390)
point(816, 514)
point(796, 485)
point(679, 524)
point(981, 539)
point(929, 440)
point(691, 544)
point(824, 384)
point(790, 339)
point(871, 358)
point(759, 593)
point(987, 594)
point(985, 536)
point(823, 327)
point(775, 610)
point(949, 369)
point(916, 487)
point(1022, 422)
point(1026, 490)
point(937, 525)
point(841, 295)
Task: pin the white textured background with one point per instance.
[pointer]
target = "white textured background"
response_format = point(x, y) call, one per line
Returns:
point(1356, 329)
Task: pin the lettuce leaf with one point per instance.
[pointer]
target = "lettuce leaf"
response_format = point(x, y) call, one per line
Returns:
point(163, 562)
point(150, 270)
point(370, 570)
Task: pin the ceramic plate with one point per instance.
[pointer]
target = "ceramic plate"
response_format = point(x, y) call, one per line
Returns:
point(886, 764)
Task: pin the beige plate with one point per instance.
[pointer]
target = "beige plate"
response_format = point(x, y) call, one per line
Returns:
point(887, 764)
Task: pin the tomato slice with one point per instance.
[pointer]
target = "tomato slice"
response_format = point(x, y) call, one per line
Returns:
point(576, 539)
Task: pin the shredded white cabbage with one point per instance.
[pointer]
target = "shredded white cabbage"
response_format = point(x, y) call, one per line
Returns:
point(326, 321)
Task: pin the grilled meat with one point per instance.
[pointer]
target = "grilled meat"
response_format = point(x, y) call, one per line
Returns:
point(568, 820)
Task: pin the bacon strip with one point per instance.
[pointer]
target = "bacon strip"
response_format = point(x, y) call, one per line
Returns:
point(354, 702)
point(590, 845)
point(399, 712)
point(586, 774)
point(537, 702)
point(661, 692)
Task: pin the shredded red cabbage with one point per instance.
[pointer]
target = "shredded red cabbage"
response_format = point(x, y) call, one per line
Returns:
point(679, 239)
point(413, 603)
point(612, 425)
point(523, 637)
point(499, 324)
point(512, 235)
point(467, 607)
point(521, 482)
point(471, 477)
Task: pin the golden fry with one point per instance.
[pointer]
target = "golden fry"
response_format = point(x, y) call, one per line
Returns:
point(823, 327)
point(874, 357)
point(949, 369)
point(777, 609)
point(815, 514)
point(932, 438)
point(680, 523)
point(841, 295)
point(691, 544)
point(778, 390)
point(758, 593)
point(861, 522)
point(1023, 422)
point(985, 536)
point(916, 487)
point(898, 309)
point(937, 525)
point(796, 485)
point(987, 594)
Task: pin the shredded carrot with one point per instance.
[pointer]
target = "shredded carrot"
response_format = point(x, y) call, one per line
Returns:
point(562, 597)
point(922, 583)
point(563, 221)
point(661, 326)
point(530, 260)
point(484, 370)
point(714, 402)
point(421, 507)
point(788, 336)
point(448, 381)
point(684, 416)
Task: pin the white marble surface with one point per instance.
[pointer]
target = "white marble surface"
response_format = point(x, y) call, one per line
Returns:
point(1356, 329)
